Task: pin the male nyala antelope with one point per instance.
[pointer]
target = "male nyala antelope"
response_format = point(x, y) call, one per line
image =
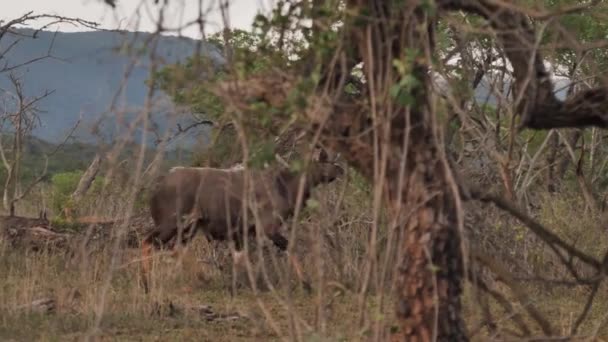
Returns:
point(188, 199)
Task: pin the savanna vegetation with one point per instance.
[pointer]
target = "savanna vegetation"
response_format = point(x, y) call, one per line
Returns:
point(473, 206)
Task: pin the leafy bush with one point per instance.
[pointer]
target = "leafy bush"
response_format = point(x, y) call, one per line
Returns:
point(63, 185)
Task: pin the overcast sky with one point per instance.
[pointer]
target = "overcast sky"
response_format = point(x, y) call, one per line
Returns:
point(125, 15)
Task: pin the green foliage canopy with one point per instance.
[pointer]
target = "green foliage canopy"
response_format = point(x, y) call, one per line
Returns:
point(278, 42)
point(63, 185)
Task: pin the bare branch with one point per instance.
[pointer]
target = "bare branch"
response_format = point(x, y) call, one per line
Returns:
point(5, 162)
point(506, 278)
point(543, 233)
point(502, 301)
point(540, 108)
point(31, 186)
point(585, 311)
point(65, 139)
point(181, 130)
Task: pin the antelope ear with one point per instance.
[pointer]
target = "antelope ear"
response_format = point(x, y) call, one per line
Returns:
point(323, 156)
point(320, 155)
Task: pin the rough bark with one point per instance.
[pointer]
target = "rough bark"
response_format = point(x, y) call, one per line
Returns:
point(430, 274)
point(430, 234)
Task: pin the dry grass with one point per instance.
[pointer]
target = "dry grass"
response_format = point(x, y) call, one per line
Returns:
point(93, 300)
point(131, 315)
point(201, 276)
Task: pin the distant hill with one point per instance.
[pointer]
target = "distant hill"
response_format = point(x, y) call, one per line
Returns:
point(85, 72)
point(73, 156)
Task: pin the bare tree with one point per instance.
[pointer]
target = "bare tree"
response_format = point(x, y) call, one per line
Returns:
point(87, 178)
point(20, 114)
point(16, 124)
point(9, 28)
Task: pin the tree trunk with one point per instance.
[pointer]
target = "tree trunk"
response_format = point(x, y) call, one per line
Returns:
point(10, 185)
point(566, 160)
point(6, 200)
point(430, 272)
point(87, 178)
point(551, 158)
point(17, 150)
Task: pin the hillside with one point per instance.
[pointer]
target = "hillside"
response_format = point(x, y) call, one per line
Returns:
point(74, 156)
point(85, 72)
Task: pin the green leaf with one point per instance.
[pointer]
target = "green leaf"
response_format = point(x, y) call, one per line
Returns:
point(296, 165)
point(312, 204)
point(409, 82)
point(262, 155)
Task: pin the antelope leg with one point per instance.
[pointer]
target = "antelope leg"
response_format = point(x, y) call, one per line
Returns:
point(298, 268)
point(188, 232)
point(159, 236)
point(239, 258)
point(146, 264)
point(281, 242)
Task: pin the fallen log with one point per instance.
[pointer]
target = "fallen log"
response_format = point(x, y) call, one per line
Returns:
point(43, 305)
point(32, 233)
point(39, 234)
point(203, 311)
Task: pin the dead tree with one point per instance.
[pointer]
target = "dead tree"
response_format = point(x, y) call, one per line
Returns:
point(19, 117)
point(87, 178)
point(20, 113)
